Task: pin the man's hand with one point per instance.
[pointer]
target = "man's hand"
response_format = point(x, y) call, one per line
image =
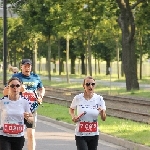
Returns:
point(39, 100)
point(26, 115)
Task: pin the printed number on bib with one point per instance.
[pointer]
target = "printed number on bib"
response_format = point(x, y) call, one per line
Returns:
point(29, 95)
point(88, 127)
point(34, 106)
point(13, 128)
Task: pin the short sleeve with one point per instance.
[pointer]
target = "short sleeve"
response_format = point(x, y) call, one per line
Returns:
point(40, 85)
point(74, 103)
point(27, 106)
point(102, 102)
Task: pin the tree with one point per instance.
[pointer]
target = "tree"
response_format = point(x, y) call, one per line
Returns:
point(142, 33)
point(127, 25)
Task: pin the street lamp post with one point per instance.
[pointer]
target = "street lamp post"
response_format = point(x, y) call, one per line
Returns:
point(4, 41)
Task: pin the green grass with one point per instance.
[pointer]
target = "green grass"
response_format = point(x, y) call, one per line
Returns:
point(100, 89)
point(129, 130)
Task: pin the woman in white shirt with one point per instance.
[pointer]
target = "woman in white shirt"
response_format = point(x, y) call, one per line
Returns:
point(89, 106)
point(13, 109)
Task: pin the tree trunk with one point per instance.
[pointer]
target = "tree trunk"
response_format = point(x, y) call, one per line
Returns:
point(82, 64)
point(49, 58)
point(86, 59)
point(34, 64)
point(117, 56)
point(108, 67)
point(99, 68)
point(59, 57)
point(61, 67)
point(54, 69)
point(141, 53)
point(40, 65)
point(67, 58)
point(95, 64)
point(73, 65)
point(126, 22)
point(89, 54)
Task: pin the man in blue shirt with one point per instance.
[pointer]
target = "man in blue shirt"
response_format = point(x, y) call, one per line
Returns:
point(31, 82)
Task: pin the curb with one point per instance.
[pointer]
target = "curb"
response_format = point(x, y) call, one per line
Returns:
point(108, 138)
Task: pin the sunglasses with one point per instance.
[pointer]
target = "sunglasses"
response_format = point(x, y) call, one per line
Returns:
point(88, 84)
point(13, 85)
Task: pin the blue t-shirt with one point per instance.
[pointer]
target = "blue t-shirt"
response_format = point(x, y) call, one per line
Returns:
point(32, 82)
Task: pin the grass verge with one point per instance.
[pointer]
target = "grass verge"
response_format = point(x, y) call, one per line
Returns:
point(143, 93)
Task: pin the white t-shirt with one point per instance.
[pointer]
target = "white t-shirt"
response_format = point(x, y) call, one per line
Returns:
point(90, 107)
point(12, 112)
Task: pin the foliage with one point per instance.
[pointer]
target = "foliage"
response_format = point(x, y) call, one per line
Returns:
point(43, 18)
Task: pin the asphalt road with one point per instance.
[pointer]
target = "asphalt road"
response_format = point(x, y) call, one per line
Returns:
point(51, 136)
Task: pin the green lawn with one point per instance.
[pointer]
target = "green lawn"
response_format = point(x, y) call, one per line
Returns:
point(100, 89)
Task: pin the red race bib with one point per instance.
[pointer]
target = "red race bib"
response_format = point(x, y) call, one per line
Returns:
point(13, 128)
point(88, 127)
point(30, 96)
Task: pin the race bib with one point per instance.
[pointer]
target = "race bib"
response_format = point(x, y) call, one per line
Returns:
point(88, 127)
point(29, 95)
point(13, 128)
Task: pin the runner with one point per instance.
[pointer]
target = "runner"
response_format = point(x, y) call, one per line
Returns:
point(13, 109)
point(31, 82)
point(89, 106)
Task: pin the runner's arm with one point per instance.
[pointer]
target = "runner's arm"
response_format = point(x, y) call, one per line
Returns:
point(72, 112)
point(5, 91)
point(102, 109)
point(102, 113)
point(28, 117)
point(73, 115)
point(41, 92)
point(28, 114)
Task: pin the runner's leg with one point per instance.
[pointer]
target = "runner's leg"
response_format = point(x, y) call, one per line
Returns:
point(31, 138)
point(93, 142)
point(81, 143)
point(17, 143)
point(4, 143)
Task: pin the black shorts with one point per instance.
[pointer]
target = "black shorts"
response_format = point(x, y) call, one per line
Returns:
point(13, 143)
point(28, 125)
point(87, 142)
